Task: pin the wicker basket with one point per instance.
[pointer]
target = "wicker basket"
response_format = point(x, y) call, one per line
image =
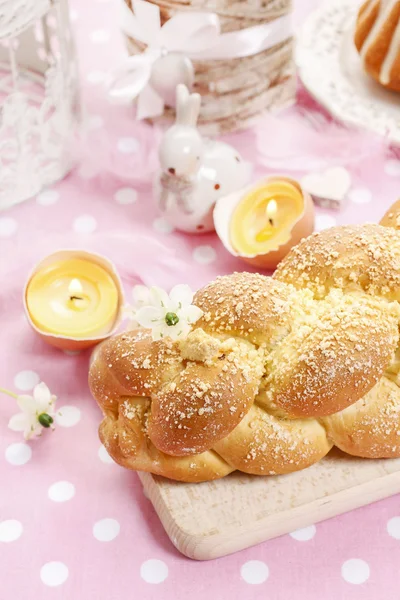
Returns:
point(234, 92)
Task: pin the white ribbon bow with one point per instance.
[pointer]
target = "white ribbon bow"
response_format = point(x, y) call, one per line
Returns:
point(194, 35)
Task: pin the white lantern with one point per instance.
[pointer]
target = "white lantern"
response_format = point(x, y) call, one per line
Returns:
point(40, 110)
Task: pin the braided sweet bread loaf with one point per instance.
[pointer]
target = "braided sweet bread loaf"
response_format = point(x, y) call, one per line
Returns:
point(276, 372)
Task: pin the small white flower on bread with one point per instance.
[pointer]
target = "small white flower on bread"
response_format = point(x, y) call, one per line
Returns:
point(169, 315)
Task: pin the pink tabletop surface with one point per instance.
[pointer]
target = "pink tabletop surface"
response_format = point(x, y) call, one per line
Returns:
point(74, 525)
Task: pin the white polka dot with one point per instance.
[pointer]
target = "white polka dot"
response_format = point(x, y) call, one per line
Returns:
point(126, 196)
point(393, 527)
point(88, 171)
point(85, 224)
point(54, 573)
point(10, 530)
point(95, 122)
point(104, 456)
point(304, 534)
point(128, 145)
point(162, 226)
point(254, 572)
point(204, 254)
point(18, 454)
point(355, 571)
point(47, 197)
point(154, 571)
point(8, 226)
point(26, 380)
point(61, 491)
point(106, 530)
point(360, 196)
point(100, 36)
point(392, 168)
point(68, 416)
point(96, 77)
point(324, 222)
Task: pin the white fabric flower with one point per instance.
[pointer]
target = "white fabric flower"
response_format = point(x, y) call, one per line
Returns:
point(140, 298)
point(169, 315)
point(37, 412)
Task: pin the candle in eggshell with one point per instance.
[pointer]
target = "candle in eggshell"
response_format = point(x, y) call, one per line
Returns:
point(195, 171)
point(262, 222)
point(73, 299)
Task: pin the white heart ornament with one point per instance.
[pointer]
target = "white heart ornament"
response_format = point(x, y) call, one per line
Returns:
point(329, 188)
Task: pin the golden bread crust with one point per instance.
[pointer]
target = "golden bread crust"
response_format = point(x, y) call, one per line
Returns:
point(371, 427)
point(125, 437)
point(263, 444)
point(132, 364)
point(355, 257)
point(335, 358)
point(250, 305)
point(206, 401)
point(275, 372)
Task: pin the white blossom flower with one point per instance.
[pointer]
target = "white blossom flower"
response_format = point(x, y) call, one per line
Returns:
point(140, 298)
point(37, 412)
point(169, 315)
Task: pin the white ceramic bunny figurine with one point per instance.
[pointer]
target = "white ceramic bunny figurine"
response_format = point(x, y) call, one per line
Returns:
point(195, 171)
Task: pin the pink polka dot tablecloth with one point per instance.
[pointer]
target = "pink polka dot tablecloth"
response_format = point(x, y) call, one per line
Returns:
point(74, 525)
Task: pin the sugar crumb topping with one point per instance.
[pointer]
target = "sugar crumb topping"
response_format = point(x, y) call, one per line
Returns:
point(327, 322)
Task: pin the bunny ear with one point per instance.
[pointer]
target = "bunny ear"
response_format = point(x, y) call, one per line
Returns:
point(194, 108)
point(182, 101)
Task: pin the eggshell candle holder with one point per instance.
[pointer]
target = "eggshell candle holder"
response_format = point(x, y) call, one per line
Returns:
point(285, 237)
point(98, 264)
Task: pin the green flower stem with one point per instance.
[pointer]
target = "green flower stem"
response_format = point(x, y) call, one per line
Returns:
point(8, 393)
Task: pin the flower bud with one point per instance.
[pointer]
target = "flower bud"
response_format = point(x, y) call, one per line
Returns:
point(45, 420)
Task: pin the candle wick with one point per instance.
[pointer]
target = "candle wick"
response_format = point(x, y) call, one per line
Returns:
point(75, 298)
point(271, 222)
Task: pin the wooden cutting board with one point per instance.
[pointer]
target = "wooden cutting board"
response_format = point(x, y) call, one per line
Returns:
point(212, 519)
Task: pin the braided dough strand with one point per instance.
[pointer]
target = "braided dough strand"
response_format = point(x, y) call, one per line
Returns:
point(275, 372)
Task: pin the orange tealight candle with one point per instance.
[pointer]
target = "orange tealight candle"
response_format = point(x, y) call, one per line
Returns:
point(73, 299)
point(264, 221)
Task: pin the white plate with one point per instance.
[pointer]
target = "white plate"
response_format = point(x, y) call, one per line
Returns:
point(330, 68)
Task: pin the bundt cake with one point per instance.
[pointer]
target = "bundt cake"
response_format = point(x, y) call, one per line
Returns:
point(377, 38)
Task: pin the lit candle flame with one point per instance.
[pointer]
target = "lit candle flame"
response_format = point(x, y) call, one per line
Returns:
point(75, 287)
point(271, 211)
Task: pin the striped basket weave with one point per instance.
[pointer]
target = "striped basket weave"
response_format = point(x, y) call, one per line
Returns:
point(234, 92)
